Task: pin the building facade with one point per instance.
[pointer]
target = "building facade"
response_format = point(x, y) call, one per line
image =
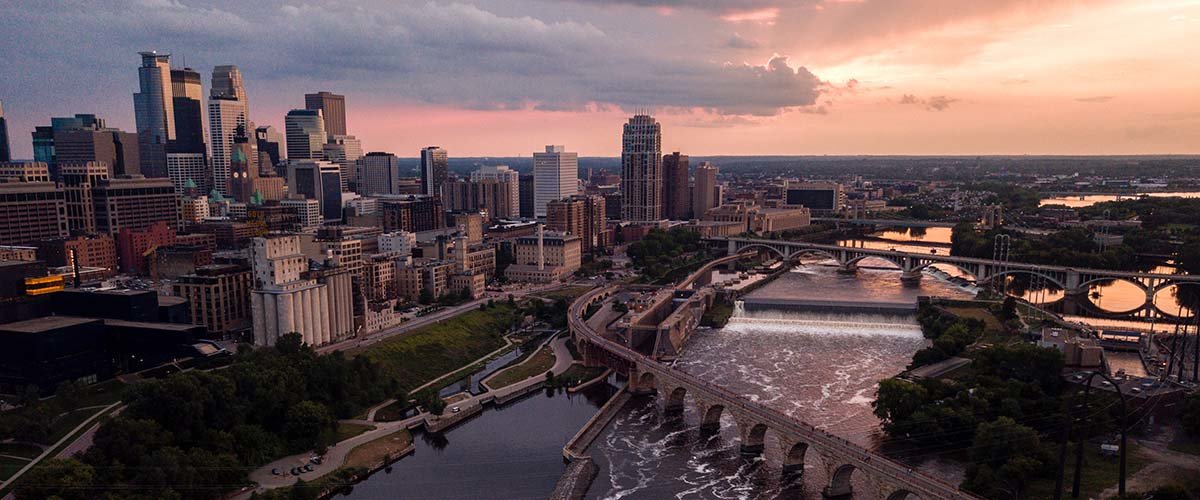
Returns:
point(677, 199)
point(435, 170)
point(154, 112)
point(641, 170)
point(305, 130)
point(379, 174)
point(333, 110)
point(510, 182)
point(705, 192)
point(31, 211)
point(555, 176)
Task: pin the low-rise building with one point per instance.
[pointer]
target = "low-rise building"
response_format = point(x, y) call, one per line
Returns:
point(219, 297)
point(545, 258)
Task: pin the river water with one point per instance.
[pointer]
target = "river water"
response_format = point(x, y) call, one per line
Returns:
point(511, 452)
point(1092, 199)
point(820, 367)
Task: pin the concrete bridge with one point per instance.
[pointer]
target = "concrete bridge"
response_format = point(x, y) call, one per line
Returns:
point(842, 460)
point(1073, 281)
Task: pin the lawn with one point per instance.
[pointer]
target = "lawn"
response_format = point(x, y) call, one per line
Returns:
point(433, 350)
point(346, 431)
point(392, 412)
point(991, 323)
point(10, 466)
point(1099, 473)
point(569, 293)
point(67, 422)
point(20, 450)
point(577, 374)
point(369, 454)
point(536, 365)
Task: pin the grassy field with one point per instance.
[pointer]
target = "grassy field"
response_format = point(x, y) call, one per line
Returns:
point(20, 450)
point(433, 350)
point(569, 293)
point(1099, 473)
point(346, 431)
point(369, 454)
point(9, 466)
point(536, 365)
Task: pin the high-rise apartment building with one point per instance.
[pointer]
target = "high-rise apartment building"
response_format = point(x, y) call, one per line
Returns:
point(512, 184)
point(273, 143)
point(706, 193)
point(31, 211)
point(154, 111)
point(379, 173)
point(555, 176)
point(435, 170)
point(306, 137)
point(526, 192)
point(333, 110)
point(641, 169)
point(676, 196)
point(490, 195)
point(5, 152)
point(412, 213)
point(579, 215)
point(318, 180)
point(345, 150)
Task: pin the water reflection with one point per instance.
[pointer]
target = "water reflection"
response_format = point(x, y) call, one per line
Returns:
point(1092, 199)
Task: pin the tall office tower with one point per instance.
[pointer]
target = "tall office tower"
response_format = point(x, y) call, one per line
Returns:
point(43, 137)
point(345, 150)
point(379, 174)
point(5, 152)
point(78, 180)
point(243, 167)
point(333, 110)
point(435, 170)
point(273, 143)
point(134, 202)
point(501, 173)
point(225, 116)
point(31, 211)
point(706, 193)
point(555, 176)
point(676, 198)
point(116, 149)
point(187, 155)
point(318, 180)
point(227, 83)
point(525, 190)
point(154, 111)
point(641, 169)
point(305, 131)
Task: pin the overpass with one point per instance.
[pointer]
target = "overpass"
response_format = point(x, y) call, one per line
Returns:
point(1073, 281)
point(842, 460)
point(885, 222)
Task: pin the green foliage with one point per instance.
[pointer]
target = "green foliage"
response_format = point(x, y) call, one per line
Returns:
point(1190, 414)
point(718, 314)
point(1071, 248)
point(660, 252)
point(432, 402)
point(65, 479)
point(182, 435)
point(951, 335)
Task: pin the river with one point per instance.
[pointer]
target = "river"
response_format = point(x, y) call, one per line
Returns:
point(820, 367)
point(1092, 199)
point(510, 452)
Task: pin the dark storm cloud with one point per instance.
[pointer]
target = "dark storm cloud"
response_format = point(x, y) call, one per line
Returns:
point(441, 53)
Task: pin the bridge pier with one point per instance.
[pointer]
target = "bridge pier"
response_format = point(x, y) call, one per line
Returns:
point(847, 269)
point(910, 277)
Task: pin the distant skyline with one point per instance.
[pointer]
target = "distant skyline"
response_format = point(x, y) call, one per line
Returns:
point(736, 77)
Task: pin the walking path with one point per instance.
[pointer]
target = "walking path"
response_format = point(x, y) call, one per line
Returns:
point(336, 454)
point(49, 449)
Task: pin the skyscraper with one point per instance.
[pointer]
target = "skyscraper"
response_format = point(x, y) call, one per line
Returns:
point(379, 174)
point(526, 194)
point(435, 170)
point(345, 150)
point(271, 142)
point(306, 137)
point(555, 176)
point(154, 111)
point(116, 149)
point(512, 181)
point(676, 198)
point(5, 152)
point(187, 156)
point(705, 193)
point(333, 110)
point(228, 109)
point(641, 169)
point(318, 180)
point(78, 180)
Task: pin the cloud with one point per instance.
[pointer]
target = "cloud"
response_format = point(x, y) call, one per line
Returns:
point(1095, 99)
point(440, 53)
point(933, 103)
point(738, 41)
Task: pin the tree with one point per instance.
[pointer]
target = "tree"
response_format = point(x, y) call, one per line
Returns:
point(997, 442)
point(66, 479)
point(306, 424)
point(1190, 414)
point(897, 400)
point(425, 297)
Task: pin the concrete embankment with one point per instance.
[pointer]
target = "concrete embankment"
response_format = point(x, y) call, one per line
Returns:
point(576, 480)
point(581, 470)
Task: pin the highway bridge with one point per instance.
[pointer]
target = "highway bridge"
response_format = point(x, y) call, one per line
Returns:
point(842, 459)
point(885, 222)
point(1073, 281)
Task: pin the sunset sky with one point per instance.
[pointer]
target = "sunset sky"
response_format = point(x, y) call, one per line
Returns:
point(504, 77)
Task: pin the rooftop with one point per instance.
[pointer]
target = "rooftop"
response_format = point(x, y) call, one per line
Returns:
point(45, 323)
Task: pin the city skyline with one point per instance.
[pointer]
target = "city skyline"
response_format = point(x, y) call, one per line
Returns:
point(746, 77)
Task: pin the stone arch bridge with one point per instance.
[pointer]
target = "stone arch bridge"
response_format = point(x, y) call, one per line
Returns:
point(842, 459)
point(1073, 281)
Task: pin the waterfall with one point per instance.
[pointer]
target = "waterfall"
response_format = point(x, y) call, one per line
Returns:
point(822, 323)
